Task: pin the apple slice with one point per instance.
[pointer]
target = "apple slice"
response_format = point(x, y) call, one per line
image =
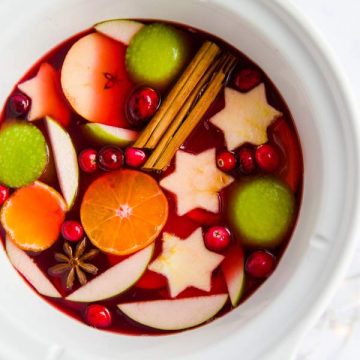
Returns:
point(23, 263)
point(115, 280)
point(233, 270)
point(285, 137)
point(186, 262)
point(95, 81)
point(109, 135)
point(65, 158)
point(196, 181)
point(119, 29)
point(175, 314)
point(151, 280)
point(46, 96)
point(245, 117)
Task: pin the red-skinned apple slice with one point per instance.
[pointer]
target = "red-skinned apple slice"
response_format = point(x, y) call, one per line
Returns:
point(95, 81)
point(286, 139)
point(119, 29)
point(202, 216)
point(115, 280)
point(65, 159)
point(175, 314)
point(233, 270)
point(31, 272)
point(44, 90)
point(151, 280)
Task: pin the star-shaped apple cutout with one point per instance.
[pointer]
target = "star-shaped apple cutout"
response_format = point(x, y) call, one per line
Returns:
point(46, 96)
point(245, 117)
point(186, 262)
point(196, 181)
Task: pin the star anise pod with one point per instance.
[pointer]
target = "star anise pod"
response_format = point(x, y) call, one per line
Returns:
point(74, 264)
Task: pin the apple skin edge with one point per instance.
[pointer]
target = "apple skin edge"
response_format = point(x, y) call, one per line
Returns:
point(233, 270)
point(119, 29)
point(285, 138)
point(151, 280)
point(121, 277)
point(30, 271)
point(175, 314)
point(109, 135)
point(65, 159)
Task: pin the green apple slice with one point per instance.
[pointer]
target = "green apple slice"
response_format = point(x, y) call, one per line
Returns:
point(233, 270)
point(23, 263)
point(65, 158)
point(175, 314)
point(115, 280)
point(109, 135)
point(119, 29)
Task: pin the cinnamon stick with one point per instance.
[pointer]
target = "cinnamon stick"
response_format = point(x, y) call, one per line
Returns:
point(153, 158)
point(150, 137)
point(170, 145)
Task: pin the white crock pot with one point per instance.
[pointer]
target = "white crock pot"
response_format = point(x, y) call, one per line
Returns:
point(268, 325)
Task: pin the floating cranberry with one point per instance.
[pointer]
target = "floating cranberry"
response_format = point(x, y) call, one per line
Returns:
point(142, 105)
point(217, 238)
point(260, 264)
point(246, 160)
point(267, 157)
point(98, 316)
point(226, 161)
point(135, 157)
point(247, 79)
point(72, 230)
point(110, 158)
point(20, 104)
point(87, 160)
point(4, 194)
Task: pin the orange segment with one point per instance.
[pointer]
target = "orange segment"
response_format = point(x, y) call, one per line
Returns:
point(123, 211)
point(33, 215)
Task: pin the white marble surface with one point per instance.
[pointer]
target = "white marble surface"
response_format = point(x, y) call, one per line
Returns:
point(336, 335)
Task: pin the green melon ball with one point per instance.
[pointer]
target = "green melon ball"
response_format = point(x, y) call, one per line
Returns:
point(261, 211)
point(23, 154)
point(157, 54)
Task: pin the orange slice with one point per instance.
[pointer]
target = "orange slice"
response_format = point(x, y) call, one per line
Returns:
point(123, 211)
point(33, 215)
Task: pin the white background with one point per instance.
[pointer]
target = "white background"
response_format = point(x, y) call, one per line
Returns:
point(336, 335)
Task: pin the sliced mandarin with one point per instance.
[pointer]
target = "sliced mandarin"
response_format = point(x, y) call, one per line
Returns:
point(33, 215)
point(123, 211)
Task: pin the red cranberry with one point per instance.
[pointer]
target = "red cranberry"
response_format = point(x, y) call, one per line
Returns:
point(72, 230)
point(142, 105)
point(4, 194)
point(87, 160)
point(246, 160)
point(267, 157)
point(135, 157)
point(247, 79)
point(110, 158)
point(217, 238)
point(226, 161)
point(98, 316)
point(260, 264)
point(20, 104)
